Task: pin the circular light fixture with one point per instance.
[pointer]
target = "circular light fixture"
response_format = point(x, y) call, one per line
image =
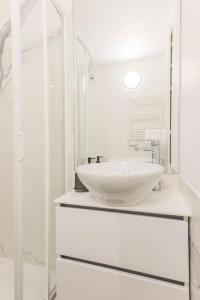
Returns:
point(132, 80)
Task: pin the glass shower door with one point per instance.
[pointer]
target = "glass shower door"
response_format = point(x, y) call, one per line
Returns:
point(33, 120)
point(32, 151)
point(42, 50)
point(7, 202)
point(56, 108)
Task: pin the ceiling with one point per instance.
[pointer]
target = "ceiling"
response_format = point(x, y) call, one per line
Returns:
point(123, 30)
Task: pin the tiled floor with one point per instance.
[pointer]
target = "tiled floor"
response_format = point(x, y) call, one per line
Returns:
point(34, 280)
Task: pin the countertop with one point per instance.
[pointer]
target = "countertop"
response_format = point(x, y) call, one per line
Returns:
point(168, 201)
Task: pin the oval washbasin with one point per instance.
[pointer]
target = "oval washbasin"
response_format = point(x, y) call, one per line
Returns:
point(120, 183)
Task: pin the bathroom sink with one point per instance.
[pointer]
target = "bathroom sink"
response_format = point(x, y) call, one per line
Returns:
point(120, 183)
point(137, 160)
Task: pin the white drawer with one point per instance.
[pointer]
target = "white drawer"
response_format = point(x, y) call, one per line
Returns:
point(78, 281)
point(156, 246)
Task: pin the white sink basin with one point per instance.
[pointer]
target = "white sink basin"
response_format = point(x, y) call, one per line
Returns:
point(120, 183)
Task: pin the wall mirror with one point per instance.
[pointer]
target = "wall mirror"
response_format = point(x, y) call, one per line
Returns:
point(124, 102)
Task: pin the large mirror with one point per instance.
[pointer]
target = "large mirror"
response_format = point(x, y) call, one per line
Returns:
point(124, 101)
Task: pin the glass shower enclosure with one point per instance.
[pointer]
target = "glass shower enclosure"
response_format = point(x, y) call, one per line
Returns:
point(32, 150)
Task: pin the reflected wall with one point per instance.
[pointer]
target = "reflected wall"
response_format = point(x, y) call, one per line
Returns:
point(83, 65)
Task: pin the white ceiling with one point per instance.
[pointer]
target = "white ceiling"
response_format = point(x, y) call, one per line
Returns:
point(122, 30)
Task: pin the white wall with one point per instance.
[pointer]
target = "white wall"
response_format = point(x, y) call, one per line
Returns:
point(108, 104)
point(176, 20)
point(190, 127)
point(190, 94)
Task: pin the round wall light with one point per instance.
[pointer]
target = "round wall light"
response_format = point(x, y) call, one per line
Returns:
point(133, 79)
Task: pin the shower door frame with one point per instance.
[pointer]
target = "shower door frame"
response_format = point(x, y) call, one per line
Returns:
point(48, 293)
point(17, 147)
point(18, 141)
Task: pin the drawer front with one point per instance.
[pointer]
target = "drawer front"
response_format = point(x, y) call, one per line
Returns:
point(77, 281)
point(151, 245)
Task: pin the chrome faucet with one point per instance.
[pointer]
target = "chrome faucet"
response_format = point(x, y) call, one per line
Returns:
point(154, 148)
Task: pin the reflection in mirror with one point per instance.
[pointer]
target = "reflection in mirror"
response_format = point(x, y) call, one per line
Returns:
point(83, 64)
point(123, 99)
point(80, 105)
point(133, 79)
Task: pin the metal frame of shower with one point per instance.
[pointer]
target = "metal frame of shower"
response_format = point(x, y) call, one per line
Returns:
point(18, 142)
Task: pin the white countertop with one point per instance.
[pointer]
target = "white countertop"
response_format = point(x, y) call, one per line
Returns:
point(168, 201)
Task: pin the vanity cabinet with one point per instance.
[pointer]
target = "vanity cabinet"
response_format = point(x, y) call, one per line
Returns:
point(109, 254)
point(82, 281)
